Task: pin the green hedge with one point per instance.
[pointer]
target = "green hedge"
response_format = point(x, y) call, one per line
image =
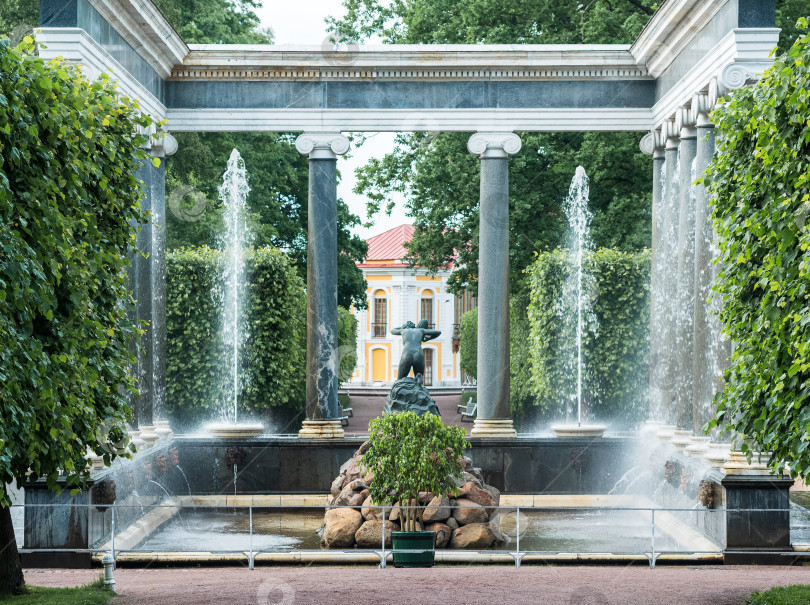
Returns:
point(760, 183)
point(468, 343)
point(274, 321)
point(615, 383)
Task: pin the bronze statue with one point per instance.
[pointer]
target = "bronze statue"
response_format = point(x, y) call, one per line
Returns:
point(412, 337)
point(409, 394)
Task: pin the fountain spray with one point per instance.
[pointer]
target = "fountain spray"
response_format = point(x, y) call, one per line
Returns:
point(233, 194)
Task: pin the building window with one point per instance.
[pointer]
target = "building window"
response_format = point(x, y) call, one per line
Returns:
point(426, 308)
point(427, 379)
point(379, 328)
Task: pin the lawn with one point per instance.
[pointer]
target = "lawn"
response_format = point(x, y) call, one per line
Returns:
point(783, 595)
point(92, 594)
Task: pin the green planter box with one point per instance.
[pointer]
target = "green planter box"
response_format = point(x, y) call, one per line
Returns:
point(422, 541)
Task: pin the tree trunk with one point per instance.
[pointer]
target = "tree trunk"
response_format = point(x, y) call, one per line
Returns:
point(11, 574)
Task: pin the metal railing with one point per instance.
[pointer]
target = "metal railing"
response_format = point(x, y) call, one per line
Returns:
point(525, 517)
point(379, 330)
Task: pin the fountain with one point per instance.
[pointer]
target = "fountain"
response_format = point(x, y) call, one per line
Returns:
point(233, 193)
point(579, 219)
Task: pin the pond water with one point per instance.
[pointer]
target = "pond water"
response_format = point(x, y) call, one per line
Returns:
point(583, 531)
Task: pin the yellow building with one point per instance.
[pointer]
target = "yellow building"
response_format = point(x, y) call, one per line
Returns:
point(398, 293)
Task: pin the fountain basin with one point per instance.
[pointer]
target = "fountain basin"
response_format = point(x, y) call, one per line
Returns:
point(576, 430)
point(235, 430)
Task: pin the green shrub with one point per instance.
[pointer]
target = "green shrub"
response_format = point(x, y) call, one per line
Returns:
point(615, 380)
point(760, 186)
point(273, 352)
point(468, 343)
point(68, 211)
point(273, 321)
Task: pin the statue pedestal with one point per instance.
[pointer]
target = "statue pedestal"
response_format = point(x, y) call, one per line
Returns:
point(493, 428)
point(321, 429)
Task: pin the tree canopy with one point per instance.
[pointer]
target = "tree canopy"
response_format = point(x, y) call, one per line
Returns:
point(440, 178)
point(760, 183)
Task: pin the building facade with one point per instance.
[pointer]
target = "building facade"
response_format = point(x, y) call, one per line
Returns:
point(398, 293)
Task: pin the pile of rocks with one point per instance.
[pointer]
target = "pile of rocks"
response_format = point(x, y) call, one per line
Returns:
point(467, 520)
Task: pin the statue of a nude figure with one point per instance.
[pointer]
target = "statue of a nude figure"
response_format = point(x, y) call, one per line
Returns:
point(412, 337)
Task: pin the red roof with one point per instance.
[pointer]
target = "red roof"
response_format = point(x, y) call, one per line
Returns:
point(390, 245)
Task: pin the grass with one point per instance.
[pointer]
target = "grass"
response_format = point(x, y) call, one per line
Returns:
point(92, 594)
point(783, 595)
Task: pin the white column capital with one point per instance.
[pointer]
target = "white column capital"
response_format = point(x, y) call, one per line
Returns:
point(494, 144)
point(647, 143)
point(739, 73)
point(163, 144)
point(322, 145)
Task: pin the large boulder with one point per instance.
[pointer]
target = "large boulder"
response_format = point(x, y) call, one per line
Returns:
point(437, 509)
point(351, 471)
point(337, 485)
point(341, 526)
point(474, 535)
point(369, 512)
point(471, 491)
point(353, 494)
point(370, 534)
point(467, 512)
point(410, 395)
point(443, 533)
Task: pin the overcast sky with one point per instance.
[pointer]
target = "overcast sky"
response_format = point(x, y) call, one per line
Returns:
point(302, 22)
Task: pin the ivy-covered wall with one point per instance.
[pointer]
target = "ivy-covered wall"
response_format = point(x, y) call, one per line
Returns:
point(615, 356)
point(760, 184)
point(272, 355)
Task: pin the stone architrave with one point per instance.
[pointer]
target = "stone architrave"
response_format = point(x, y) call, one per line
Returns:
point(493, 418)
point(321, 365)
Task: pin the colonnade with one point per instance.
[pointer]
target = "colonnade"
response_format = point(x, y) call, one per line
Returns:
point(688, 354)
point(493, 418)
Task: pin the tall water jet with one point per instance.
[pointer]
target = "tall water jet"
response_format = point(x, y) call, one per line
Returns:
point(577, 291)
point(233, 193)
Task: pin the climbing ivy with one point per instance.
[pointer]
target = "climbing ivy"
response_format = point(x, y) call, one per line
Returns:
point(615, 354)
point(69, 204)
point(760, 185)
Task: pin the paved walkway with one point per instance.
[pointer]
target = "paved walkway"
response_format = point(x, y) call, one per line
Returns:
point(467, 585)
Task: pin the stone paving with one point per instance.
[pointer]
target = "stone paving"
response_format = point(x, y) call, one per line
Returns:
point(469, 585)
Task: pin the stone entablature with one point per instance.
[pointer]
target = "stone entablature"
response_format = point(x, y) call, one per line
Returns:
point(410, 62)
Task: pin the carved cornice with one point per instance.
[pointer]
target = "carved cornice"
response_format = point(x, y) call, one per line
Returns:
point(322, 145)
point(494, 144)
point(410, 62)
point(334, 73)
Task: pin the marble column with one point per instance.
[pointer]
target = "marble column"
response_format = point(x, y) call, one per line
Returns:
point(710, 352)
point(656, 315)
point(665, 369)
point(684, 340)
point(140, 274)
point(322, 347)
point(164, 145)
point(493, 418)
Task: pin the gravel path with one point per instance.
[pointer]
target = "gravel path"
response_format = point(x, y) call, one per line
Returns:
point(471, 585)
